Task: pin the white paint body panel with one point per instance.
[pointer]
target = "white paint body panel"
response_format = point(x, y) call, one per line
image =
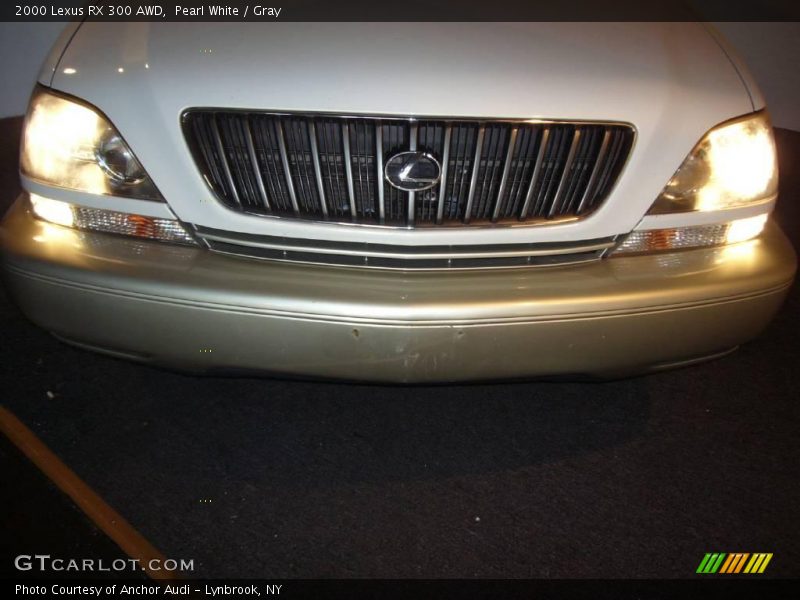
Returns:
point(50, 64)
point(672, 81)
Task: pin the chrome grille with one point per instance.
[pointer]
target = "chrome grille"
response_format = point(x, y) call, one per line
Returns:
point(331, 168)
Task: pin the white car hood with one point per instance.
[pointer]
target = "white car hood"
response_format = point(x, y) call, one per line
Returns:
point(670, 80)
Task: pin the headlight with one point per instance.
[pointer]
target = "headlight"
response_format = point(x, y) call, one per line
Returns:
point(734, 164)
point(71, 145)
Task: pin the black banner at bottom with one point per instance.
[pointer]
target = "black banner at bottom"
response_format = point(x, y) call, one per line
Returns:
point(729, 587)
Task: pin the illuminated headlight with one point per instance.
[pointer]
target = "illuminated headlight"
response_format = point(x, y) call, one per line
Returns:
point(109, 221)
point(53, 211)
point(693, 236)
point(733, 165)
point(71, 145)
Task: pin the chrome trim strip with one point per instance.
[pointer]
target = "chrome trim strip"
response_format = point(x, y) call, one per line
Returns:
point(531, 262)
point(225, 166)
point(319, 247)
point(312, 137)
point(348, 169)
point(285, 161)
point(379, 174)
point(405, 117)
point(448, 131)
point(535, 175)
point(541, 222)
point(601, 156)
point(476, 163)
point(512, 142)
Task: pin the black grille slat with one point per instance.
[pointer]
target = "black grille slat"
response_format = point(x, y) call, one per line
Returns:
point(494, 150)
point(362, 155)
point(582, 167)
point(430, 140)
point(396, 137)
point(268, 150)
point(506, 179)
point(219, 146)
point(244, 169)
point(298, 149)
point(264, 163)
point(201, 130)
point(332, 167)
point(522, 171)
point(264, 168)
point(357, 157)
point(462, 150)
point(548, 178)
point(611, 168)
point(483, 167)
point(557, 164)
point(249, 192)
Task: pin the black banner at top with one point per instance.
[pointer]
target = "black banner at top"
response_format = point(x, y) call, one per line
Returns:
point(403, 10)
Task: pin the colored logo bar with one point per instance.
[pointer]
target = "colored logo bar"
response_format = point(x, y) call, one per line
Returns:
point(734, 562)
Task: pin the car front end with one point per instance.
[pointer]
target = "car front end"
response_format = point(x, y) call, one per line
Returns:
point(396, 203)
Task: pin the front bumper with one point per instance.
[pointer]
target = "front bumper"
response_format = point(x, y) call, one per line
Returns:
point(190, 308)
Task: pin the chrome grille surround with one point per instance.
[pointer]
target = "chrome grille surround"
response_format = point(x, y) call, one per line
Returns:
point(329, 168)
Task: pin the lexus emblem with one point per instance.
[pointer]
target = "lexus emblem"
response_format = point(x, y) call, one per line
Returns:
point(412, 171)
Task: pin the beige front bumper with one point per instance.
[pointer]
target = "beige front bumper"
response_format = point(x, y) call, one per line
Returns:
point(191, 308)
